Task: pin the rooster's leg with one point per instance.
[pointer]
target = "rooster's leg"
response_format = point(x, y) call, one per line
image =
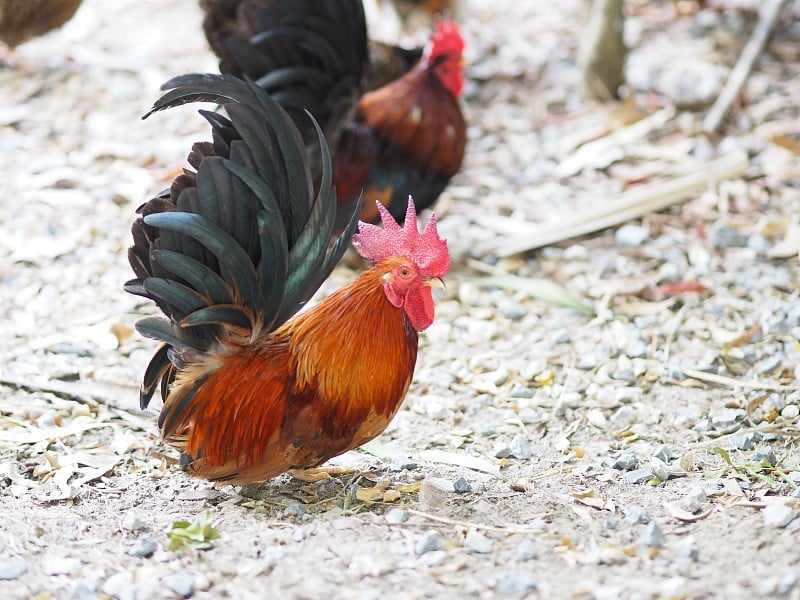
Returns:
point(319, 473)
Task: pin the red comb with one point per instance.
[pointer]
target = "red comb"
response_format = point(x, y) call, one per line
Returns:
point(426, 249)
point(446, 39)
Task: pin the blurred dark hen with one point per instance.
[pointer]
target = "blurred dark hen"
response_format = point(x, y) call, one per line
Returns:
point(21, 20)
point(392, 133)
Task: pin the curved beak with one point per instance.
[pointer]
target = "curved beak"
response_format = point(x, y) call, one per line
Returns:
point(436, 282)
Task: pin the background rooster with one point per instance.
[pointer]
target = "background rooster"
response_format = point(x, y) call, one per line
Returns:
point(230, 253)
point(407, 136)
point(21, 20)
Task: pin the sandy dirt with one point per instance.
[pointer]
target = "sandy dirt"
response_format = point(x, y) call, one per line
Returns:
point(542, 451)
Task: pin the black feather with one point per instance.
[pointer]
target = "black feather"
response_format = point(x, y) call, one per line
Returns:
point(238, 246)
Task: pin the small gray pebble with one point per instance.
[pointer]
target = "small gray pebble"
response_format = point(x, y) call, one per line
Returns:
point(610, 523)
point(294, 509)
point(441, 379)
point(688, 551)
point(12, 568)
point(512, 310)
point(722, 236)
point(428, 542)
point(713, 485)
point(675, 372)
point(572, 399)
point(659, 468)
point(664, 453)
point(770, 364)
point(627, 461)
point(786, 584)
point(529, 416)
point(560, 409)
point(60, 565)
point(790, 411)
point(624, 416)
point(652, 535)
point(46, 421)
point(537, 525)
point(637, 514)
point(777, 515)
point(273, 553)
point(766, 453)
point(397, 515)
point(120, 586)
point(402, 464)
point(727, 417)
point(576, 252)
point(132, 522)
point(704, 425)
point(636, 349)
point(669, 271)
point(624, 375)
point(520, 448)
point(693, 501)
point(526, 550)
point(757, 242)
point(488, 430)
point(502, 451)
point(587, 362)
point(144, 547)
point(639, 476)
point(515, 584)
point(181, 583)
point(521, 391)
point(794, 477)
point(631, 235)
point(628, 394)
point(462, 486)
point(85, 588)
point(741, 442)
point(561, 336)
point(478, 543)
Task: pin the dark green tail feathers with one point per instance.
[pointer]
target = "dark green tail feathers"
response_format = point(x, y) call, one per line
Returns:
point(236, 247)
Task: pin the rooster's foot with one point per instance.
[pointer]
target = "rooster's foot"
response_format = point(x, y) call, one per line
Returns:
point(318, 473)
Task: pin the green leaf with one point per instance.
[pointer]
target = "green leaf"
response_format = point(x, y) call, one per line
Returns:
point(726, 457)
point(536, 287)
point(196, 534)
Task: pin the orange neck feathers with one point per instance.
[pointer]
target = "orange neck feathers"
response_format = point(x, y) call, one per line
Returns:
point(355, 346)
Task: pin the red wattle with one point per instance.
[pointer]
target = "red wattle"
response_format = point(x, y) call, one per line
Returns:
point(419, 307)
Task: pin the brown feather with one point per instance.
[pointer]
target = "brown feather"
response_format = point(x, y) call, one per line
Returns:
point(21, 20)
point(418, 115)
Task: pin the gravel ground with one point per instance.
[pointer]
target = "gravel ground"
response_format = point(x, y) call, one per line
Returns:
point(638, 443)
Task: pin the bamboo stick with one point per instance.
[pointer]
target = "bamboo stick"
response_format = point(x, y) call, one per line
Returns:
point(631, 204)
point(767, 17)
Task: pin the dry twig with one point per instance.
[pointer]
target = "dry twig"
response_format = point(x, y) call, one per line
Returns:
point(634, 203)
point(767, 17)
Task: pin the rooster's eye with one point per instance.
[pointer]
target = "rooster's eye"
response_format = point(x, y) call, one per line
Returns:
point(405, 272)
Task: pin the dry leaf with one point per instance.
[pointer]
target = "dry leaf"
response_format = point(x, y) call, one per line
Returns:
point(368, 494)
point(684, 515)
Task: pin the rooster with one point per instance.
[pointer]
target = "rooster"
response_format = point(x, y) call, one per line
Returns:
point(408, 135)
point(230, 253)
